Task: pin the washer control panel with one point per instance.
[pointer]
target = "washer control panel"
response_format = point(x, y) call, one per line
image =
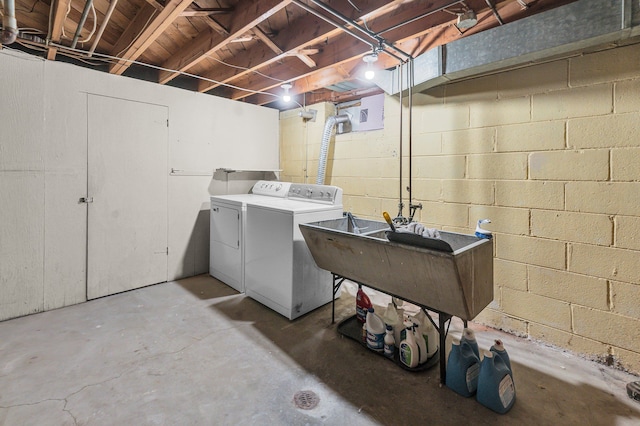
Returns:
point(271, 188)
point(325, 194)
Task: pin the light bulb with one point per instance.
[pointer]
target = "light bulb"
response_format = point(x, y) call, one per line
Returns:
point(286, 97)
point(370, 70)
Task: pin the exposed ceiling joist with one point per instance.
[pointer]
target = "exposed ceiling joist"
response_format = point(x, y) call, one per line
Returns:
point(59, 13)
point(146, 27)
point(248, 14)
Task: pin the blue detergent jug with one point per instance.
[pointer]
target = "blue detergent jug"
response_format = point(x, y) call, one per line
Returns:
point(496, 390)
point(463, 367)
point(498, 348)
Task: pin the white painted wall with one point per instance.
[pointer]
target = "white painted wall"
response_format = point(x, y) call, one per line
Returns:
point(43, 173)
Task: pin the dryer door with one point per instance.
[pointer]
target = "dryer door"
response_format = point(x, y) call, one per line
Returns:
point(226, 254)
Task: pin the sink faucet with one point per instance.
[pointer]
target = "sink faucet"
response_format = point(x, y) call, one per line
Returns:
point(352, 219)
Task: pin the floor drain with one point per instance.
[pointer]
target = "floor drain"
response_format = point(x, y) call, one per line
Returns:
point(307, 400)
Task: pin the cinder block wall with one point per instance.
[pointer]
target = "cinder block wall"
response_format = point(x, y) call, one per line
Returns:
point(551, 153)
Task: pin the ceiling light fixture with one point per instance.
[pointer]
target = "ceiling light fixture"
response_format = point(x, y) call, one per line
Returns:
point(370, 59)
point(286, 97)
point(467, 19)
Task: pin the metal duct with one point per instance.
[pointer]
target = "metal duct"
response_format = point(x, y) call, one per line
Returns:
point(324, 147)
point(571, 28)
point(9, 23)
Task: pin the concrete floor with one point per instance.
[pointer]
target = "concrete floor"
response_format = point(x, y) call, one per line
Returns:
point(194, 352)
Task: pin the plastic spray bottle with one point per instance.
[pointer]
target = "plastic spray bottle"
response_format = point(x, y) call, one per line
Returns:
point(409, 351)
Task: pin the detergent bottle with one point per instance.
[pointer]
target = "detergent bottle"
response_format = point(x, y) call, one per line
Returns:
point(496, 390)
point(391, 318)
point(389, 343)
point(498, 349)
point(409, 351)
point(429, 333)
point(363, 303)
point(463, 368)
point(470, 337)
point(375, 331)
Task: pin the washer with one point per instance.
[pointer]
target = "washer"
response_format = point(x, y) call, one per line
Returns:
point(280, 272)
point(227, 223)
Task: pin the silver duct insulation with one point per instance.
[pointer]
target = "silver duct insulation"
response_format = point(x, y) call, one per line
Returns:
point(324, 147)
point(9, 23)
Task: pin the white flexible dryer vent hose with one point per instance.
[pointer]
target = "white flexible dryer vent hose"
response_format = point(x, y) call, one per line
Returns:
point(324, 147)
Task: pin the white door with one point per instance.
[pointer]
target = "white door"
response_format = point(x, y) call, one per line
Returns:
point(127, 180)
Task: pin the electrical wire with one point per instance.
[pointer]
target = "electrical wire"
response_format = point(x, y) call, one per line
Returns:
point(354, 6)
point(64, 35)
point(95, 22)
point(245, 69)
point(116, 59)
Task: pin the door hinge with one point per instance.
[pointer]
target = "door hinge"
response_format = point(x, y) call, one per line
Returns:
point(167, 251)
point(167, 122)
point(86, 200)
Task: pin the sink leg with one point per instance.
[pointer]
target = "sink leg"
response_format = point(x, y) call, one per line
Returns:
point(443, 319)
point(337, 282)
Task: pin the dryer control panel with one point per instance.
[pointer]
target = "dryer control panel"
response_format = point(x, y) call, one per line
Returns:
point(326, 194)
point(271, 188)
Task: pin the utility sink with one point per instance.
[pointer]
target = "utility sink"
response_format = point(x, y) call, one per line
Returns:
point(457, 280)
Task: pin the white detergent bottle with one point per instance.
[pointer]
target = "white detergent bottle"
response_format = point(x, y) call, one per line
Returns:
point(398, 332)
point(389, 343)
point(422, 344)
point(432, 338)
point(391, 318)
point(429, 333)
point(375, 331)
point(409, 351)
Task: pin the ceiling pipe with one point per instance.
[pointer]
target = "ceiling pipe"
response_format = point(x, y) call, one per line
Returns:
point(431, 12)
point(83, 19)
point(495, 12)
point(103, 26)
point(380, 41)
point(9, 23)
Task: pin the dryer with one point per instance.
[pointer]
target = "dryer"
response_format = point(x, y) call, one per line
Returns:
point(280, 272)
point(227, 223)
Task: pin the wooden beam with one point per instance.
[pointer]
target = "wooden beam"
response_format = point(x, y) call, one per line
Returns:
point(267, 41)
point(59, 12)
point(305, 31)
point(147, 27)
point(431, 31)
point(208, 11)
point(216, 26)
point(248, 14)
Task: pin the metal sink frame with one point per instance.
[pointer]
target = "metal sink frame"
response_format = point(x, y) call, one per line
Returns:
point(458, 283)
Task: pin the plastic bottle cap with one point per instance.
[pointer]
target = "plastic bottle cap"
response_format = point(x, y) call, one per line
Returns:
point(370, 309)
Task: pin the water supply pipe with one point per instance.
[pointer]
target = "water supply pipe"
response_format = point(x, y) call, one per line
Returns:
point(83, 19)
point(9, 23)
point(112, 7)
point(324, 147)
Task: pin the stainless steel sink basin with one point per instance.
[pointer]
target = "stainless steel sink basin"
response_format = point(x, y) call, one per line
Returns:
point(365, 226)
point(459, 282)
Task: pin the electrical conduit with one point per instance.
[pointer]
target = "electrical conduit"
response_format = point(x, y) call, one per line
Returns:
point(9, 23)
point(324, 147)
